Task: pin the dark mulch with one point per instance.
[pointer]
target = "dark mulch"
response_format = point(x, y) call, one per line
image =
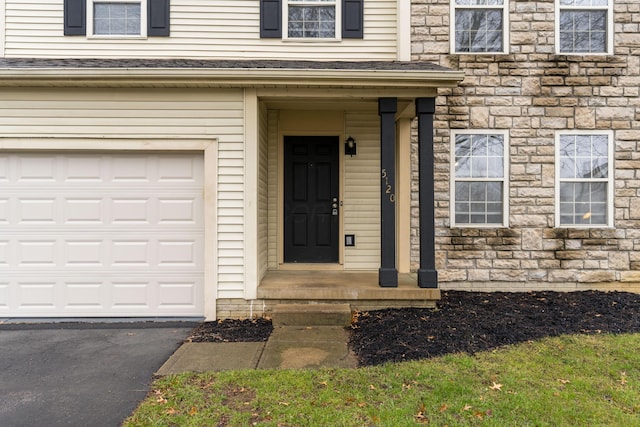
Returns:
point(472, 321)
point(249, 330)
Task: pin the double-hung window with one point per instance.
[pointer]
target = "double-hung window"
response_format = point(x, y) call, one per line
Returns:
point(584, 27)
point(312, 19)
point(584, 165)
point(479, 184)
point(117, 18)
point(479, 26)
point(307, 20)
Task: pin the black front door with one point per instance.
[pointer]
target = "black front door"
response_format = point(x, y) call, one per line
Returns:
point(311, 199)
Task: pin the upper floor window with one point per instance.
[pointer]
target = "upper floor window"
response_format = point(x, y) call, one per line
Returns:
point(117, 17)
point(479, 26)
point(584, 27)
point(584, 193)
point(479, 184)
point(312, 19)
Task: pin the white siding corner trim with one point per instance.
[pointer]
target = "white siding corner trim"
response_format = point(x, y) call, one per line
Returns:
point(2, 26)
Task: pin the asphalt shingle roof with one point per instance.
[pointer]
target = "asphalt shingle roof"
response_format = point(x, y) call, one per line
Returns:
point(8, 63)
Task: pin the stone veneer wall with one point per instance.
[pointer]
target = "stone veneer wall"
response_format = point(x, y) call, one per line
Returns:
point(533, 92)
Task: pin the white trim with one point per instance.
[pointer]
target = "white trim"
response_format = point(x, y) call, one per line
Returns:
point(504, 180)
point(609, 180)
point(231, 77)
point(3, 26)
point(251, 158)
point(209, 149)
point(285, 21)
point(610, 28)
point(143, 21)
point(404, 31)
point(505, 27)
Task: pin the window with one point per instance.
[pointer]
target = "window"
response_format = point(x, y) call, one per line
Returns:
point(312, 19)
point(479, 185)
point(584, 195)
point(116, 18)
point(584, 27)
point(479, 26)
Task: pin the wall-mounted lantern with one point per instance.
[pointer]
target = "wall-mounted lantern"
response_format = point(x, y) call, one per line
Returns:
point(350, 146)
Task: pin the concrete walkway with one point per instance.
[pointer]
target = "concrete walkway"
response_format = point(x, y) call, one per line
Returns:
point(288, 347)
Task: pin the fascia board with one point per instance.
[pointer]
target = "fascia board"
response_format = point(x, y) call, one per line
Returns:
point(228, 77)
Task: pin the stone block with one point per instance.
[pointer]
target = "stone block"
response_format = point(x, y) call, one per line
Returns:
point(596, 276)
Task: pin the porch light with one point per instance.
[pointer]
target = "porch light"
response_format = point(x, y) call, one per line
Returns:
point(350, 146)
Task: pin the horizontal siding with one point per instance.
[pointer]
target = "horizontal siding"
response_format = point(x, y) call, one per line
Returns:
point(100, 113)
point(263, 192)
point(149, 113)
point(231, 254)
point(273, 201)
point(362, 193)
point(199, 29)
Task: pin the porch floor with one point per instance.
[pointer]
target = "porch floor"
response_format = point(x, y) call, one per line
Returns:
point(326, 286)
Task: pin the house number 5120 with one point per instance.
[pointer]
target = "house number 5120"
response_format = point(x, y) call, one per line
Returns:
point(392, 196)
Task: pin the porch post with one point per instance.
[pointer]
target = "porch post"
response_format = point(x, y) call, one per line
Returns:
point(427, 274)
point(388, 273)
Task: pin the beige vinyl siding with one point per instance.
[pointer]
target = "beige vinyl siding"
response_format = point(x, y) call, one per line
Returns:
point(263, 191)
point(231, 219)
point(362, 192)
point(122, 113)
point(273, 224)
point(149, 113)
point(199, 29)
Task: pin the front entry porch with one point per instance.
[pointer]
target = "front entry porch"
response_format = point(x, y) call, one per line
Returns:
point(359, 289)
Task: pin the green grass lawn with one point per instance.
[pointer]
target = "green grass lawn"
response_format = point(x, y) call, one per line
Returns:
point(577, 380)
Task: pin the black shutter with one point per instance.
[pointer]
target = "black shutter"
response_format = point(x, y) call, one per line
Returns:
point(271, 19)
point(158, 18)
point(75, 17)
point(352, 19)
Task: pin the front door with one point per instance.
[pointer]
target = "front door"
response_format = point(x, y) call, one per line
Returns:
point(311, 208)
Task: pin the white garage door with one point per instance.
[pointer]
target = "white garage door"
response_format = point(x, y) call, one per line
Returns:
point(101, 235)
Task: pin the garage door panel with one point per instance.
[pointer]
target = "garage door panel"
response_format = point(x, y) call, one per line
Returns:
point(36, 210)
point(83, 253)
point(83, 210)
point(131, 210)
point(84, 169)
point(36, 253)
point(98, 235)
point(186, 170)
point(84, 295)
point(36, 169)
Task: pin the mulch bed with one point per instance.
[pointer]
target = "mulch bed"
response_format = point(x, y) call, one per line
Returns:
point(232, 330)
point(473, 321)
point(466, 322)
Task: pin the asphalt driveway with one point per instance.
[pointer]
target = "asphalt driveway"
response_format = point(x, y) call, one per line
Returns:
point(80, 374)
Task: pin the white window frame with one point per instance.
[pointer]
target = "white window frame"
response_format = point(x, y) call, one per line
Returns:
point(143, 20)
point(505, 178)
point(285, 20)
point(609, 180)
point(505, 27)
point(610, 28)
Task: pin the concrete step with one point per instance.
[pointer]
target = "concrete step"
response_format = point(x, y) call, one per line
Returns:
point(311, 315)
